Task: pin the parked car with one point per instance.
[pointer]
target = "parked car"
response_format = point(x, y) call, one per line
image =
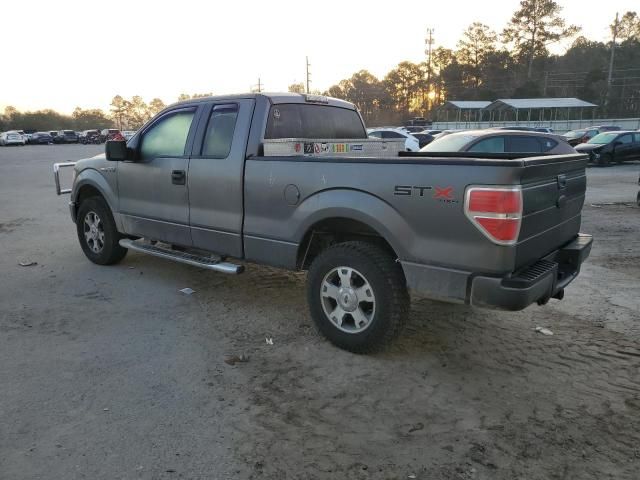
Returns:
point(368, 230)
point(518, 128)
point(11, 137)
point(500, 141)
point(576, 137)
point(431, 132)
point(543, 129)
point(444, 133)
point(613, 146)
point(608, 128)
point(53, 133)
point(109, 134)
point(66, 136)
point(412, 129)
point(89, 136)
point(25, 136)
point(41, 138)
point(127, 134)
point(424, 139)
point(411, 143)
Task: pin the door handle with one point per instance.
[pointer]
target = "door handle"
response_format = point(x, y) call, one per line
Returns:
point(178, 177)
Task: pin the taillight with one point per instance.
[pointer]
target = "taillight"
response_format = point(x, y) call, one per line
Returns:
point(496, 212)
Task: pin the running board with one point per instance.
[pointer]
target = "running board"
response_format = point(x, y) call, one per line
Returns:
point(210, 263)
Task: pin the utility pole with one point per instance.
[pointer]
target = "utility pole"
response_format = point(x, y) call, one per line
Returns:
point(610, 76)
point(308, 76)
point(258, 87)
point(429, 43)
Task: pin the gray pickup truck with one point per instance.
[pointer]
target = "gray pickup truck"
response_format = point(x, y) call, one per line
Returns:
point(194, 185)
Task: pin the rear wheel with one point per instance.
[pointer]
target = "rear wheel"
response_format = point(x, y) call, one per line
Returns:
point(605, 160)
point(357, 296)
point(97, 232)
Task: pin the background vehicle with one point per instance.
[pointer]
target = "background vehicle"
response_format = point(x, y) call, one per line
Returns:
point(412, 129)
point(368, 230)
point(11, 137)
point(424, 139)
point(613, 146)
point(108, 134)
point(576, 137)
point(66, 136)
point(543, 129)
point(444, 133)
point(411, 143)
point(41, 138)
point(127, 134)
point(518, 128)
point(500, 141)
point(89, 136)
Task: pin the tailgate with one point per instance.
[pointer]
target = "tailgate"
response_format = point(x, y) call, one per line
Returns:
point(553, 191)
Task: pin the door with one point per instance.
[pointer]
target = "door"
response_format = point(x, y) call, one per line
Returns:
point(636, 146)
point(216, 172)
point(153, 192)
point(623, 150)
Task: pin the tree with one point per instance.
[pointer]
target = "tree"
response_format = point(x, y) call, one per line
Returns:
point(90, 119)
point(474, 48)
point(137, 112)
point(156, 105)
point(296, 88)
point(628, 27)
point(118, 110)
point(405, 84)
point(534, 26)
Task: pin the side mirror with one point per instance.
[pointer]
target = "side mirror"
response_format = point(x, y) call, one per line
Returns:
point(116, 150)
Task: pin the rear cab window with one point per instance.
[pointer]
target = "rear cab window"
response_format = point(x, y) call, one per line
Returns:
point(219, 134)
point(301, 120)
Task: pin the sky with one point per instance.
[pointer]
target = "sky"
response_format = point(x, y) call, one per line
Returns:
point(83, 53)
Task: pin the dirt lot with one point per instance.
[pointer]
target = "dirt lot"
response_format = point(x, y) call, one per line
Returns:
point(112, 373)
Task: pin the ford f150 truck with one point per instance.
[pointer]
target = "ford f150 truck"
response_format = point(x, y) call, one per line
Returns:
point(199, 184)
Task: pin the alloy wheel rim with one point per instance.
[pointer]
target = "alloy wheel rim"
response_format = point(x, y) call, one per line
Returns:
point(348, 299)
point(94, 232)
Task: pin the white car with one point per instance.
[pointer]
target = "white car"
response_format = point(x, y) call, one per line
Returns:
point(12, 137)
point(411, 143)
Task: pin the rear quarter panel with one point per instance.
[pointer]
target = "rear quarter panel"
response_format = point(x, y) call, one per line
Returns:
point(416, 206)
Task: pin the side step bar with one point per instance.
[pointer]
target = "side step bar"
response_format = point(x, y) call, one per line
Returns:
point(210, 263)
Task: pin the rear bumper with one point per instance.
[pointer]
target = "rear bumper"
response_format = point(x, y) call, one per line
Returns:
point(539, 282)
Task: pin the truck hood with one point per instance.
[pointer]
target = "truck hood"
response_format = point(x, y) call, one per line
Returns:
point(95, 163)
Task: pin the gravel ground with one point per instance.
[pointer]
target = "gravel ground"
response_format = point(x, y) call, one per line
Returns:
point(112, 373)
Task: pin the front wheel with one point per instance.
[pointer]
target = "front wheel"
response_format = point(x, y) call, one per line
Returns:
point(357, 296)
point(97, 232)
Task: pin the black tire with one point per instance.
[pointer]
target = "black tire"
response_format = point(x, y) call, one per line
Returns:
point(387, 313)
point(104, 248)
point(638, 199)
point(605, 160)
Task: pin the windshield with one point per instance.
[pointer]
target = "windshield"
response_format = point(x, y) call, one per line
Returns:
point(603, 138)
point(575, 133)
point(449, 143)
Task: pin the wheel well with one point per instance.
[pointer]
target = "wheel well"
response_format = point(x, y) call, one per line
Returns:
point(85, 192)
point(336, 230)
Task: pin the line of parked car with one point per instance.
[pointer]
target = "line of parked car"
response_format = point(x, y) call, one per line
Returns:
point(605, 144)
point(19, 137)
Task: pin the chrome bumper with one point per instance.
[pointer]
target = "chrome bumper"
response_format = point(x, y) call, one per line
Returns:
point(56, 176)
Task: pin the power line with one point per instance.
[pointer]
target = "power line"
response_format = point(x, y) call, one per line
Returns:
point(308, 75)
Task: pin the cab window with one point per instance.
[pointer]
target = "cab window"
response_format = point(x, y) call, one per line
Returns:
point(219, 135)
point(168, 136)
point(624, 138)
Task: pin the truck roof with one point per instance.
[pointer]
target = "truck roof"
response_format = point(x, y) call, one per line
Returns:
point(272, 97)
